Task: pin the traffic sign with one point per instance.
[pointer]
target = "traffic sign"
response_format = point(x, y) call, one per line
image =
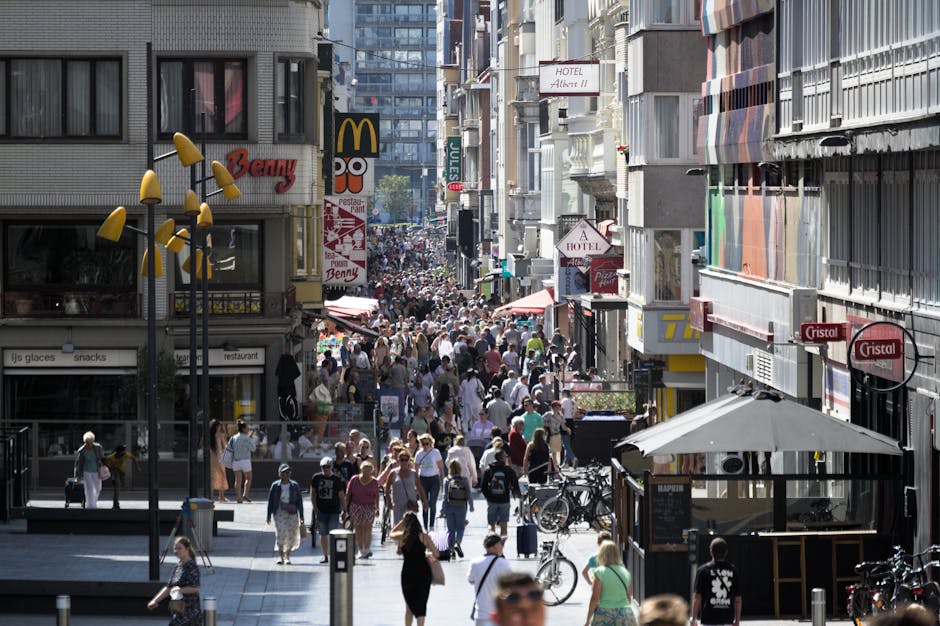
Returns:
point(822, 332)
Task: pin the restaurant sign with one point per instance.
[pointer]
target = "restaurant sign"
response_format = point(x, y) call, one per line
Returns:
point(239, 165)
point(604, 273)
point(344, 240)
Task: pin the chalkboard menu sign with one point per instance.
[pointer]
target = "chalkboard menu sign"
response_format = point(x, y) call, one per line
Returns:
point(670, 508)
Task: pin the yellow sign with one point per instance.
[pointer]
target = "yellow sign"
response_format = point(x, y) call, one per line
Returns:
point(357, 124)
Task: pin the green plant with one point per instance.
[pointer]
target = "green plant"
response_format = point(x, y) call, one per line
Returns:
point(166, 373)
point(623, 402)
point(394, 194)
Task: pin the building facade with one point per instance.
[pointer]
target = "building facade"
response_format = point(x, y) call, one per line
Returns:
point(76, 132)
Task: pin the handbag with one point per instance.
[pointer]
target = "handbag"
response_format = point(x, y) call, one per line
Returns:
point(227, 457)
point(437, 570)
point(104, 473)
point(303, 530)
point(177, 607)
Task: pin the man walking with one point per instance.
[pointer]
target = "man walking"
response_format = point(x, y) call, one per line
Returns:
point(326, 493)
point(498, 486)
point(483, 574)
point(717, 589)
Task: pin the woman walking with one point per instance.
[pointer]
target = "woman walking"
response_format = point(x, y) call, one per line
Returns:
point(362, 507)
point(610, 594)
point(243, 444)
point(87, 461)
point(183, 585)
point(468, 463)
point(217, 441)
point(413, 542)
point(456, 497)
point(405, 489)
point(286, 506)
point(471, 398)
point(538, 462)
point(430, 466)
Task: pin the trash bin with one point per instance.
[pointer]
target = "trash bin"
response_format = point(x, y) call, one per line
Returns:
point(202, 511)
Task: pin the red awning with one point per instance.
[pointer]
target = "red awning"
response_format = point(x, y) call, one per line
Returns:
point(349, 313)
point(534, 304)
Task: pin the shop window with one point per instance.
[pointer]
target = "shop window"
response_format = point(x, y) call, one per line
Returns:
point(235, 251)
point(232, 397)
point(51, 256)
point(668, 265)
point(60, 98)
point(221, 94)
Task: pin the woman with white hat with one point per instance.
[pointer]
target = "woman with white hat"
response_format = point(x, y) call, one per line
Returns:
point(286, 506)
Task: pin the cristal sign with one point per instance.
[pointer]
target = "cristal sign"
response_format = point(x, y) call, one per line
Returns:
point(876, 349)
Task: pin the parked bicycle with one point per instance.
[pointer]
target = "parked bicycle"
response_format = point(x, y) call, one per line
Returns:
point(585, 496)
point(895, 582)
point(556, 573)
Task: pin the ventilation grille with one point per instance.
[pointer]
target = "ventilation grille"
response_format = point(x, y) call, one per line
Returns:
point(763, 367)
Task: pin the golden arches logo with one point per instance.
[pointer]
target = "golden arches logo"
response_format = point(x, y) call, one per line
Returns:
point(357, 128)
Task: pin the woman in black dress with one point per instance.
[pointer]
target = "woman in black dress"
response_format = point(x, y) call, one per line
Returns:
point(538, 463)
point(415, 571)
point(184, 584)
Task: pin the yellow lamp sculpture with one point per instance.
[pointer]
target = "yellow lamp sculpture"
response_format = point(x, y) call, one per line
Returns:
point(165, 231)
point(178, 241)
point(225, 181)
point(112, 227)
point(188, 265)
point(205, 216)
point(157, 262)
point(150, 192)
point(191, 203)
point(186, 150)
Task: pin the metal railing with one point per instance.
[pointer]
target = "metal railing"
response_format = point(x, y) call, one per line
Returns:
point(14, 469)
point(268, 303)
point(71, 303)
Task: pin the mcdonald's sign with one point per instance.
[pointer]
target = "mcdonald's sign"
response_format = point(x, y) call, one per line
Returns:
point(357, 134)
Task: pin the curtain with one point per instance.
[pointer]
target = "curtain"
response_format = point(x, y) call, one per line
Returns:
point(281, 86)
point(204, 82)
point(665, 11)
point(668, 265)
point(36, 98)
point(78, 96)
point(234, 97)
point(171, 96)
point(108, 97)
point(666, 109)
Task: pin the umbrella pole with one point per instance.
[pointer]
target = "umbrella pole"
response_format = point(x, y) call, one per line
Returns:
point(780, 504)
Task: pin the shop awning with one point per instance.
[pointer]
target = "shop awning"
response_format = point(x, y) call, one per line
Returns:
point(352, 306)
point(345, 323)
point(534, 304)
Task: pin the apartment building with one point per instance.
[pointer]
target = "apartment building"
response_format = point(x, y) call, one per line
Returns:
point(90, 90)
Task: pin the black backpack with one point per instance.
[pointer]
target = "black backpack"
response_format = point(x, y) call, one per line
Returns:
point(498, 484)
point(457, 490)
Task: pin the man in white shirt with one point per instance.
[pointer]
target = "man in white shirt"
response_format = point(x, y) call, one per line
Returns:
point(483, 574)
point(498, 411)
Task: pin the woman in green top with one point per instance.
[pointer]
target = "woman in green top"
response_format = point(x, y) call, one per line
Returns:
point(610, 596)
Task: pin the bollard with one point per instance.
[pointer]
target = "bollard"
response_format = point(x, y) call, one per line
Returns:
point(210, 609)
point(63, 606)
point(819, 607)
point(342, 546)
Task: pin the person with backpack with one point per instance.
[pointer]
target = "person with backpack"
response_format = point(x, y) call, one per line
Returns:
point(464, 455)
point(456, 497)
point(499, 484)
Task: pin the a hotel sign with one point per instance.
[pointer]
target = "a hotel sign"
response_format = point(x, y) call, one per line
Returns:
point(583, 240)
point(569, 78)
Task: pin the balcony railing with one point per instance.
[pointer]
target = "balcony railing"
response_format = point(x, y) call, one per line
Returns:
point(251, 303)
point(72, 303)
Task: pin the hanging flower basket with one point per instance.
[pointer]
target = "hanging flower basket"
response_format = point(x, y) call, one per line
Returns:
point(624, 149)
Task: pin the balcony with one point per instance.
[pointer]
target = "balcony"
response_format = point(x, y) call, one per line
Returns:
point(242, 303)
point(71, 304)
point(524, 205)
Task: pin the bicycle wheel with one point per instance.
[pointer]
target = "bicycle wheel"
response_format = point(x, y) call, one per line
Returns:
point(386, 523)
point(558, 577)
point(603, 513)
point(930, 598)
point(859, 604)
point(553, 514)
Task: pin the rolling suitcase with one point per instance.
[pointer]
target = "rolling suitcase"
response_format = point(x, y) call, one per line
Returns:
point(527, 539)
point(74, 492)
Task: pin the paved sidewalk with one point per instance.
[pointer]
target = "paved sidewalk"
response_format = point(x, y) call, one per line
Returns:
point(251, 589)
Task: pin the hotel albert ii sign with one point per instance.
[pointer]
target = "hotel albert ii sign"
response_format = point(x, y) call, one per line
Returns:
point(582, 241)
point(344, 240)
point(569, 78)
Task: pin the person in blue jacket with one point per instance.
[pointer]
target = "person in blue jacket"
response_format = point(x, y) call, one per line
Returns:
point(286, 506)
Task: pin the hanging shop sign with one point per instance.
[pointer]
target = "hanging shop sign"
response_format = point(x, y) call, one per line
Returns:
point(583, 240)
point(822, 332)
point(357, 135)
point(239, 165)
point(876, 355)
point(344, 240)
point(569, 78)
point(604, 273)
point(453, 156)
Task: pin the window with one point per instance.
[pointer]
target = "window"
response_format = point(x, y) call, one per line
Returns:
point(668, 265)
point(638, 263)
point(290, 97)
point(235, 252)
point(51, 256)
point(666, 12)
point(559, 10)
point(666, 126)
point(220, 93)
point(60, 98)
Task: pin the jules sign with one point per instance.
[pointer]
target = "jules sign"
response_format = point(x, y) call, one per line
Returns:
point(240, 165)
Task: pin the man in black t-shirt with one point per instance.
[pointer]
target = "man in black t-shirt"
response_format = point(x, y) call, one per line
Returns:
point(327, 491)
point(717, 589)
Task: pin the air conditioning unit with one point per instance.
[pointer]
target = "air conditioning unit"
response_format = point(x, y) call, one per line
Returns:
point(761, 366)
point(802, 309)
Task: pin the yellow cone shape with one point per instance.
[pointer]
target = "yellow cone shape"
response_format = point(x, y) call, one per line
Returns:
point(165, 231)
point(186, 150)
point(188, 264)
point(191, 203)
point(112, 227)
point(150, 189)
point(205, 216)
point(177, 241)
point(199, 266)
point(158, 263)
point(222, 176)
point(231, 192)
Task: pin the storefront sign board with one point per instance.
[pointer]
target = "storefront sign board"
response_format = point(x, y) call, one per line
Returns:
point(26, 357)
point(344, 240)
point(219, 357)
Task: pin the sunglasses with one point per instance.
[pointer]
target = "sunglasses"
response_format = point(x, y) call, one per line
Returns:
point(513, 598)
